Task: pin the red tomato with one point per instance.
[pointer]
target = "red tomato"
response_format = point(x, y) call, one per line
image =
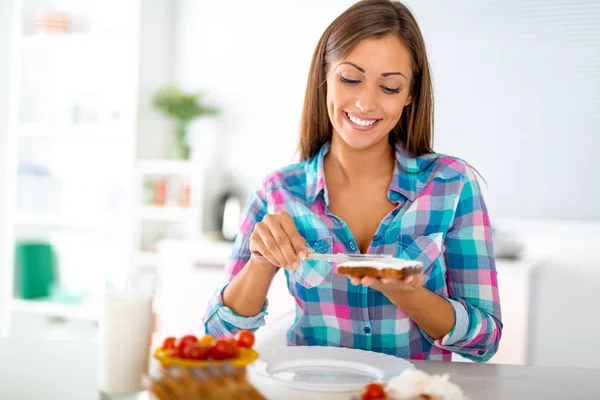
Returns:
point(185, 341)
point(196, 352)
point(175, 353)
point(223, 349)
point(169, 343)
point(373, 391)
point(244, 338)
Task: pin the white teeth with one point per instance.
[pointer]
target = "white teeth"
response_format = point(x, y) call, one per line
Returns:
point(360, 121)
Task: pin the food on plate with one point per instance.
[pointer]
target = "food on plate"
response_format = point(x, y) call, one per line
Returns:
point(414, 384)
point(216, 382)
point(394, 268)
point(190, 350)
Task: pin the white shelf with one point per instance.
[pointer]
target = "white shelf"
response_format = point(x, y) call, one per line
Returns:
point(165, 213)
point(49, 220)
point(73, 40)
point(83, 131)
point(147, 258)
point(87, 312)
point(165, 167)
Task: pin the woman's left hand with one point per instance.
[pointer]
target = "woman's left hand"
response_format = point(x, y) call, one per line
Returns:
point(387, 285)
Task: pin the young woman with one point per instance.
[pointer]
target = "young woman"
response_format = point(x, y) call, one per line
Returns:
point(369, 182)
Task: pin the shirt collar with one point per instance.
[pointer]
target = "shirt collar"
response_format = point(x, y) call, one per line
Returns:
point(405, 180)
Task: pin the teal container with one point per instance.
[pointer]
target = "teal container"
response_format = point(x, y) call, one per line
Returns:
point(35, 270)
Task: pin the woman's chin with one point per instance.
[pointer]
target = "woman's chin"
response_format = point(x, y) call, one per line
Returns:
point(361, 140)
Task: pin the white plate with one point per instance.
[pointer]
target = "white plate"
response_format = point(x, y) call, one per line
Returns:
point(327, 369)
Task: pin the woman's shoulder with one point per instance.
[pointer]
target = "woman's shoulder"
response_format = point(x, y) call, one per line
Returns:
point(449, 167)
point(291, 178)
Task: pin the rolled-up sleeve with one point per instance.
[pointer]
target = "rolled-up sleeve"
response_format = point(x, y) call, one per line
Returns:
point(471, 278)
point(220, 320)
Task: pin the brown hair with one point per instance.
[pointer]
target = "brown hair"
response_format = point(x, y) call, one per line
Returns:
point(369, 19)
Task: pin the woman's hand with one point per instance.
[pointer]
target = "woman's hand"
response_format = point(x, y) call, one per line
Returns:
point(275, 241)
point(386, 285)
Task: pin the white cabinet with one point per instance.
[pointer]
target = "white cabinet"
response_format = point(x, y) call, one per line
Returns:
point(79, 113)
point(514, 284)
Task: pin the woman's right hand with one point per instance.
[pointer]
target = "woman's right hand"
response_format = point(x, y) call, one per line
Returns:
point(275, 241)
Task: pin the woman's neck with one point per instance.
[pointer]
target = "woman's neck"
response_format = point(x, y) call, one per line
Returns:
point(349, 166)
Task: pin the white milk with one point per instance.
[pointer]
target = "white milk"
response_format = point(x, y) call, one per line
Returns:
point(125, 333)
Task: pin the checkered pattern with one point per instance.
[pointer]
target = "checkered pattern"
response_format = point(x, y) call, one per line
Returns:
point(440, 219)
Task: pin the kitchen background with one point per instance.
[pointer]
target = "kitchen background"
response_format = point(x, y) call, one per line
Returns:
point(94, 183)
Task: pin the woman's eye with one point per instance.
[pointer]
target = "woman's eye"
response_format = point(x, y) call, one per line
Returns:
point(390, 90)
point(350, 81)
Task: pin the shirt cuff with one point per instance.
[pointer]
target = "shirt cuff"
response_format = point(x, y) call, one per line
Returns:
point(461, 324)
point(253, 322)
point(221, 320)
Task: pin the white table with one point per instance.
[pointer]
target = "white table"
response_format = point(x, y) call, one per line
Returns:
point(46, 370)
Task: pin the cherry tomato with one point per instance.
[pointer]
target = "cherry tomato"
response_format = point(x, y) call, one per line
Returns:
point(224, 349)
point(185, 341)
point(169, 343)
point(244, 338)
point(196, 352)
point(206, 340)
point(373, 391)
point(175, 354)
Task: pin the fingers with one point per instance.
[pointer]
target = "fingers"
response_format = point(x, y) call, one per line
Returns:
point(355, 281)
point(257, 246)
point(408, 283)
point(277, 239)
point(368, 281)
point(271, 246)
point(297, 242)
point(283, 240)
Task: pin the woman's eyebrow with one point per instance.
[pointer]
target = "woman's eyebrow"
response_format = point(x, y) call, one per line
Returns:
point(363, 71)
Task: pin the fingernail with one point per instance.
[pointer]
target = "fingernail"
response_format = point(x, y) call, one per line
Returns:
point(296, 265)
point(302, 255)
point(409, 279)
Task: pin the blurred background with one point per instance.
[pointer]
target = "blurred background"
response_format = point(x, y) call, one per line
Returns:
point(132, 131)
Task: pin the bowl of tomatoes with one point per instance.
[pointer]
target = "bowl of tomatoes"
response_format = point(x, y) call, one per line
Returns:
point(192, 351)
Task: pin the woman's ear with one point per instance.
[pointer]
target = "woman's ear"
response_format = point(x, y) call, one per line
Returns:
point(408, 101)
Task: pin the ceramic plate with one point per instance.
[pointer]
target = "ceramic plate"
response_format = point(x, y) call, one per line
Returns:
point(327, 369)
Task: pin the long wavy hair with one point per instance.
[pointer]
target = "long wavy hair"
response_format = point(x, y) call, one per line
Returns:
point(369, 19)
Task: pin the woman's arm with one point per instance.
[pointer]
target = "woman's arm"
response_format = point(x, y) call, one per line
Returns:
point(220, 318)
point(241, 303)
point(468, 320)
point(247, 292)
point(433, 314)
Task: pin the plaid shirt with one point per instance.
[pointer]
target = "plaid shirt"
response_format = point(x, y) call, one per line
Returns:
point(440, 219)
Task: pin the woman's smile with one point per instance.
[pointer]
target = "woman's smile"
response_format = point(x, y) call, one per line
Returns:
point(360, 123)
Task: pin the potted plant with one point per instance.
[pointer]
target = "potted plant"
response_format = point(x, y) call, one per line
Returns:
point(183, 108)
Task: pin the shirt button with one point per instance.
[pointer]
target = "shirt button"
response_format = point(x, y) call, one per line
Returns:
point(367, 330)
point(352, 246)
point(376, 238)
point(481, 352)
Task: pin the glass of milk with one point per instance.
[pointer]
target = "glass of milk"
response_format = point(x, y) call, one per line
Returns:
point(125, 336)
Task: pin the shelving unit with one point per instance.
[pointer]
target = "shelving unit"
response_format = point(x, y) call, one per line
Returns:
point(175, 213)
point(79, 107)
point(81, 312)
point(71, 132)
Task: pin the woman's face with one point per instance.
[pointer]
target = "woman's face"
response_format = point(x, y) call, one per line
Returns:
point(367, 90)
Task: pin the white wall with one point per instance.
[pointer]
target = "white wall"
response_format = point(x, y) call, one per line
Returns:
point(5, 36)
point(516, 85)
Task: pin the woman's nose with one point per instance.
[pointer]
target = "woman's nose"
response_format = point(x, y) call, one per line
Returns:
point(366, 102)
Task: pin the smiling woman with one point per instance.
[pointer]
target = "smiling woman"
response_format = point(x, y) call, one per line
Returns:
point(369, 182)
